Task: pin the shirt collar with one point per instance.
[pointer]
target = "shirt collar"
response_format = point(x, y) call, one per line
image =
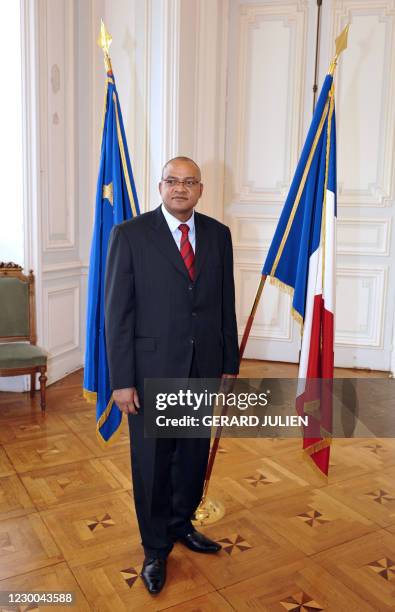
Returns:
point(173, 222)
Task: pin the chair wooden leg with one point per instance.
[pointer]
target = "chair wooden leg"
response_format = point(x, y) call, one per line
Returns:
point(43, 380)
point(32, 384)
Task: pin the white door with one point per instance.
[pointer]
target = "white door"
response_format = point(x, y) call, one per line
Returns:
point(266, 102)
point(271, 56)
point(365, 113)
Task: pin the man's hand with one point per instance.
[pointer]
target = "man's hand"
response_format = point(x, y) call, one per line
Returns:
point(229, 375)
point(127, 400)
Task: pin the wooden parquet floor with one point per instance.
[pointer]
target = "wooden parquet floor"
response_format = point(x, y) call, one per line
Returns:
point(291, 541)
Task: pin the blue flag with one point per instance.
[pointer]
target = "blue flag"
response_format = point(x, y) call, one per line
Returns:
point(116, 201)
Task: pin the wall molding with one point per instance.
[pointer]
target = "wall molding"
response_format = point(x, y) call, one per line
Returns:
point(210, 101)
point(31, 133)
point(65, 269)
point(292, 16)
point(375, 279)
point(363, 236)
point(58, 150)
point(392, 366)
point(54, 293)
point(379, 193)
point(282, 329)
point(145, 194)
point(63, 365)
point(171, 77)
point(262, 244)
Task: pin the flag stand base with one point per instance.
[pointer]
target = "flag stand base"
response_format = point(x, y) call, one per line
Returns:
point(209, 511)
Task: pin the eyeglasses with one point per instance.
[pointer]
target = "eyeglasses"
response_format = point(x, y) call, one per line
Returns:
point(172, 182)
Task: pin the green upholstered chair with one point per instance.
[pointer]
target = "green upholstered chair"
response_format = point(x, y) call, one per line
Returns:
point(18, 351)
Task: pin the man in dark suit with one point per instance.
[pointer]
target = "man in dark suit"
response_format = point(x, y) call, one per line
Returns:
point(170, 313)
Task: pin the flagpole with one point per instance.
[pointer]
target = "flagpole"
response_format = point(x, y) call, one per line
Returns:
point(251, 318)
point(210, 511)
point(104, 41)
point(114, 204)
point(317, 48)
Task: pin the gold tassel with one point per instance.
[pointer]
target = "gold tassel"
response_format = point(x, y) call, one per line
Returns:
point(103, 418)
point(317, 446)
point(108, 443)
point(290, 291)
point(90, 396)
point(283, 286)
point(312, 464)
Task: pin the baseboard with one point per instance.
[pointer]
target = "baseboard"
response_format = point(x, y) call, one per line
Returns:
point(15, 384)
point(62, 366)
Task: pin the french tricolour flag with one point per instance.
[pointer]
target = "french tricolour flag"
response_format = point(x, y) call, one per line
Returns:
point(301, 259)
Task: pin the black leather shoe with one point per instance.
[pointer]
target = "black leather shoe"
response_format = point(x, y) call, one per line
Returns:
point(199, 543)
point(153, 574)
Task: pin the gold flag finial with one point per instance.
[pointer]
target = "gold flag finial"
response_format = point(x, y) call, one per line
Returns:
point(341, 44)
point(341, 40)
point(104, 41)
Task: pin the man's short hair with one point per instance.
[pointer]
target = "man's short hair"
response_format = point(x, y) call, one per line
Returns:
point(180, 158)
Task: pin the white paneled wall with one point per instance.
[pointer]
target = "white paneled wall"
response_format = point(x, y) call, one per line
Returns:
point(270, 43)
point(51, 175)
point(366, 204)
point(265, 122)
point(58, 147)
point(62, 269)
point(268, 40)
point(366, 97)
point(362, 290)
point(229, 83)
point(364, 236)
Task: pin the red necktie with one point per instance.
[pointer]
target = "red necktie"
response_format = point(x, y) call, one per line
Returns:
point(187, 251)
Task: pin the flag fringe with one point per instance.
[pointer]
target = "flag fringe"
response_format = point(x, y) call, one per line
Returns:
point(307, 454)
point(104, 415)
point(281, 285)
point(308, 458)
point(103, 120)
point(327, 155)
point(111, 441)
point(89, 396)
point(123, 158)
point(103, 418)
point(317, 446)
point(290, 290)
point(298, 318)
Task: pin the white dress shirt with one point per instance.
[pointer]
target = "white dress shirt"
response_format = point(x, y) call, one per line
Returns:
point(173, 224)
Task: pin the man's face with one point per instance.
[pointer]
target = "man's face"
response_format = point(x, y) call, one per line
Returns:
point(180, 198)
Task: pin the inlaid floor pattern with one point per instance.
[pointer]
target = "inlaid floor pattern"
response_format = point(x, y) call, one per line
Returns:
point(290, 540)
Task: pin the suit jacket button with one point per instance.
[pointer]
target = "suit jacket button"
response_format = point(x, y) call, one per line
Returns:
point(194, 314)
point(192, 341)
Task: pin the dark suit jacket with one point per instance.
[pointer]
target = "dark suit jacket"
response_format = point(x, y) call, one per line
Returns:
point(155, 316)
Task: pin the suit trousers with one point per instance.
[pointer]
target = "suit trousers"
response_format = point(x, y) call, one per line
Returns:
point(168, 478)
